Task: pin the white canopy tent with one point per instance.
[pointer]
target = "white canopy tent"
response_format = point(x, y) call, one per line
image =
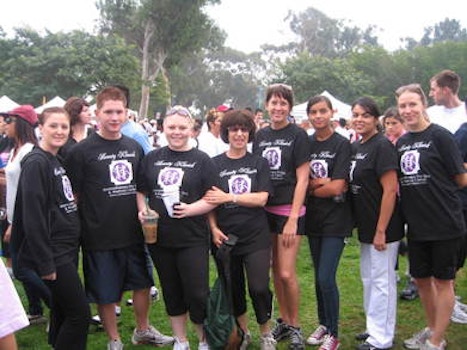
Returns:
point(343, 110)
point(7, 104)
point(57, 101)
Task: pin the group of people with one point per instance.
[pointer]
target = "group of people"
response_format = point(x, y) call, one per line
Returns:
point(268, 187)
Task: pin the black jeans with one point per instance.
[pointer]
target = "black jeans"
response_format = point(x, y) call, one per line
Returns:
point(70, 310)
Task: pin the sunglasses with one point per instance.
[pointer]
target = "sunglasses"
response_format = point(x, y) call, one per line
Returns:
point(180, 111)
point(236, 129)
point(10, 118)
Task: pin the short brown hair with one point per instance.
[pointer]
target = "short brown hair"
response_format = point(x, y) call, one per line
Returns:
point(237, 117)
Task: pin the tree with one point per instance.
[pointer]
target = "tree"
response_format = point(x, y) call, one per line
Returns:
point(163, 31)
point(67, 64)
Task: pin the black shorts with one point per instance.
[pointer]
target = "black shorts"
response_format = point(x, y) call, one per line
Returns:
point(277, 223)
point(438, 259)
point(108, 273)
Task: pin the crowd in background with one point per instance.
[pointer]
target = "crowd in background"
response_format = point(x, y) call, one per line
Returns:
point(73, 192)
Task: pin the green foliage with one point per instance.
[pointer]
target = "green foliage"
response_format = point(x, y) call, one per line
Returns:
point(64, 64)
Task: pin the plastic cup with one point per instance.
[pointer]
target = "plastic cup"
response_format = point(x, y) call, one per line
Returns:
point(150, 227)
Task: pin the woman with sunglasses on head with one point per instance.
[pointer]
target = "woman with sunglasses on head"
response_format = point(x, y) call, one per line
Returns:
point(172, 181)
point(286, 147)
point(373, 188)
point(431, 172)
point(46, 231)
point(20, 124)
point(328, 218)
point(242, 190)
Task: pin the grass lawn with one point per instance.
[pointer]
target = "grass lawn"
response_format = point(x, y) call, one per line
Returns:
point(352, 320)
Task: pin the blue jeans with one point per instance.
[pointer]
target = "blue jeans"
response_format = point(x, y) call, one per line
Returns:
point(326, 253)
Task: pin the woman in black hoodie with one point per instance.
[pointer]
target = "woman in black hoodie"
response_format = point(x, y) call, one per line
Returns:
point(47, 231)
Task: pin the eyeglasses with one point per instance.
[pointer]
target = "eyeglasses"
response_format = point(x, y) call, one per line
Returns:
point(236, 129)
point(180, 110)
point(10, 119)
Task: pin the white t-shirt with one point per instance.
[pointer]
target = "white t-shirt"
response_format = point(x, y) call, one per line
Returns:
point(211, 145)
point(12, 173)
point(449, 118)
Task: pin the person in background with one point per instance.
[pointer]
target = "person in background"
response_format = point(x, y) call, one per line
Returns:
point(449, 110)
point(103, 170)
point(210, 141)
point(12, 314)
point(240, 195)
point(459, 315)
point(80, 114)
point(258, 118)
point(46, 232)
point(373, 188)
point(393, 126)
point(431, 171)
point(20, 124)
point(328, 216)
point(340, 126)
point(172, 181)
point(286, 147)
point(6, 144)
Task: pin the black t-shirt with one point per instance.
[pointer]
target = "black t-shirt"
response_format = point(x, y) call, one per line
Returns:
point(285, 150)
point(103, 174)
point(248, 174)
point(461, 137)
point(429, 161)
point(46, 226)
point(370, 160)
point(194, 173)
point(329, 216)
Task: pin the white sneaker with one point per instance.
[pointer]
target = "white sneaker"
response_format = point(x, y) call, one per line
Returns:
point(267, 342)
point(317, 337)
point(203, 345)
point(151, 336)
point(418, 339)
point(458, 314)
point(246, 341)
point(179, 345)
point(114, 345)
point(429, 346)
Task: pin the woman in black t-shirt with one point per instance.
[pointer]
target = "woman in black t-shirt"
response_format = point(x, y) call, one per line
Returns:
point(431, 171)
point(373, 188)
point(174, 180)
point(242, 190)
point(328, 215)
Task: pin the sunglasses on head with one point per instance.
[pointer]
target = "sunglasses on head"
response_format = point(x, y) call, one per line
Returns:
point(178, 110)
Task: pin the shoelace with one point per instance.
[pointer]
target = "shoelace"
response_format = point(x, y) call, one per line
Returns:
point(328, 343)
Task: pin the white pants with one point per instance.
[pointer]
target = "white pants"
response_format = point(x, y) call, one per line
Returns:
point(377, 270)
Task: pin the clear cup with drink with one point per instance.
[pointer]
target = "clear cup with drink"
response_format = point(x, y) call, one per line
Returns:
point(149, 225)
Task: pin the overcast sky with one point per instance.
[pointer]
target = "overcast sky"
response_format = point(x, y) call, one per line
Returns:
point(251, 23)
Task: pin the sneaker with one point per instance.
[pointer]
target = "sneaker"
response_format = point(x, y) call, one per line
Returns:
point(429, 346)
point(129, 302)
point(317, 337)
point(114, 345)
point(296, 339)
point(281, 331)
point(37, 319)
point(330, 343)
point(362, 336)
point(461, 306)
point(267, 342)
point(410, 292)
point(418, 339)
point(96, 319)
point(178, 345)
point(458, 314)
point(154, 292)
point(203, 345)
point(246, 341)
point(151, 336)
point(368, 346)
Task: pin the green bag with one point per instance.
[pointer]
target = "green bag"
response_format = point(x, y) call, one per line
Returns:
point(221, 327)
